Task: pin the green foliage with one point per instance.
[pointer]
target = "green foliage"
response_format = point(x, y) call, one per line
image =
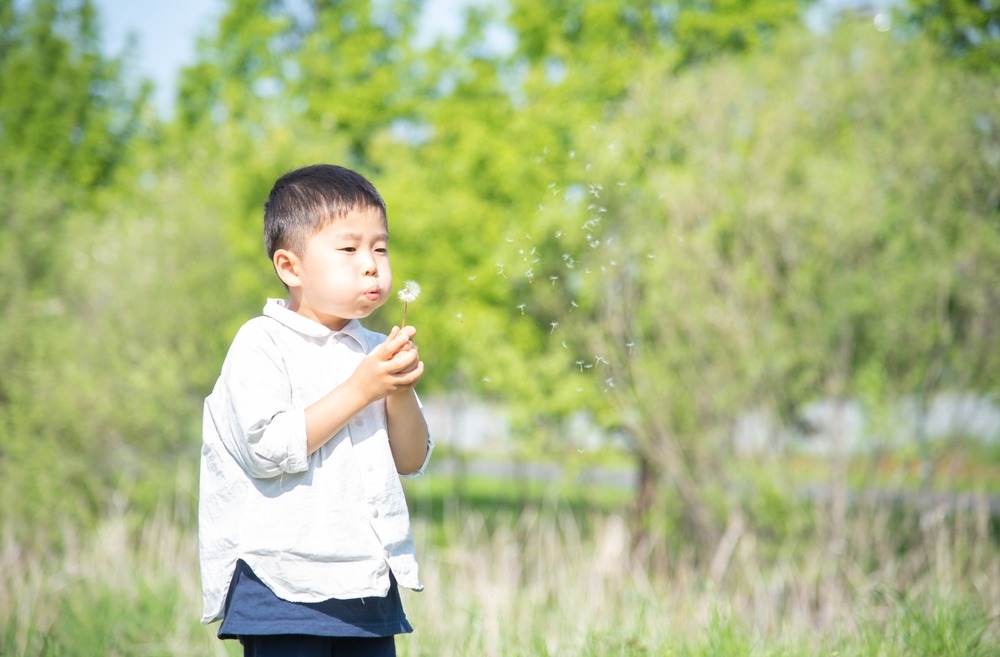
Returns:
point(969, 30)
point(931, 628)
point(762, 192)
point(66, 120)
point(704, 29)
point(742, 253)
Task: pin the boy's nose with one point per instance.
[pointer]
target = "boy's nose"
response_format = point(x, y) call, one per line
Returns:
point(369, 266)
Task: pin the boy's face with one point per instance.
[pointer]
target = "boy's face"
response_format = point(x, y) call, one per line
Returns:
point(344, 271)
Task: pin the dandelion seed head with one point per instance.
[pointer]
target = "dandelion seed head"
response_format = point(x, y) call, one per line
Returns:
point(410, 292)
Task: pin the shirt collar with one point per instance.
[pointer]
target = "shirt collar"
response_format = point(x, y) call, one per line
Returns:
point(278, 310)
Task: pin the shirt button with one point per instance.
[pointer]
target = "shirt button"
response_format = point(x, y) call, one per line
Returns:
point(374, 512)
point(359, 423)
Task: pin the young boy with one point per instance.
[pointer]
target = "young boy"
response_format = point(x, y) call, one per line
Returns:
point(303, 528)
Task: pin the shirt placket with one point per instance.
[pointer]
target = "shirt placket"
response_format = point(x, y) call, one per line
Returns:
point(361, 429)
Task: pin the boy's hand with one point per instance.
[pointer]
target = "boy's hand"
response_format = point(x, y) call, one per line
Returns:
point(391, 367)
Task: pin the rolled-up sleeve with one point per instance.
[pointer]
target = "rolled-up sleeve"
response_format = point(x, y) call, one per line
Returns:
point(265, 433)
point(423, 466)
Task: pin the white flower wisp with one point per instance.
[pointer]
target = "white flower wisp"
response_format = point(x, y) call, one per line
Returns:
point(408, 294)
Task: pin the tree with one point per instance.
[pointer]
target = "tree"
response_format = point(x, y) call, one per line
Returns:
point(769, 230)
point(967, 29)
point(67, 121)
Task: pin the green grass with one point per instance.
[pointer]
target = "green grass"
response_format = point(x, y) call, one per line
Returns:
point(533, 570)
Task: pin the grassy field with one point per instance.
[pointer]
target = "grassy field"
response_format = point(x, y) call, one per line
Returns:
point(553, 574)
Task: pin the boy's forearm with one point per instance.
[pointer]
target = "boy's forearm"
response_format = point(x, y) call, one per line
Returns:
point(331, 413)
point(408, 432)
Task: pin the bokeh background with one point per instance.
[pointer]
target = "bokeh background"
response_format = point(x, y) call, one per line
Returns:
point(710, 310)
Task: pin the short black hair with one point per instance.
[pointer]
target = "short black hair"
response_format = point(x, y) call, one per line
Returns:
point(305, 200)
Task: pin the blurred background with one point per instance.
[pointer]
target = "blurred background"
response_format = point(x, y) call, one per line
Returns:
point(710, 310)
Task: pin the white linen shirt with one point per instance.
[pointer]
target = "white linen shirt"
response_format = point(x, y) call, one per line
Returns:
point(329, 525)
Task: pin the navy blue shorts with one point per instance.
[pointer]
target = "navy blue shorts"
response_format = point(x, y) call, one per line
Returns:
point(266, 625)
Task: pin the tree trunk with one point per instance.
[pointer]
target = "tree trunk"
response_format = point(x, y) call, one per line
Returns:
point(647, 490)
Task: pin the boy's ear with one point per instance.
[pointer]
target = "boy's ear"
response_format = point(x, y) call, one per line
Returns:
point(287, 267)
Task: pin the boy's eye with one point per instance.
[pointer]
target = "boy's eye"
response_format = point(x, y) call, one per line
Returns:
point(349, 249)
point(383, 250)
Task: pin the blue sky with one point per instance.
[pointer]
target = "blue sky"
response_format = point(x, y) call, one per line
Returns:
point(166, 34)
point(168, 31)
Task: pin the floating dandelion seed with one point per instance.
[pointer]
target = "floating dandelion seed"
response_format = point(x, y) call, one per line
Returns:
point(500, 269)
point(520, 307)
point(553, 325)
point(579, 364)
point(564, 345)
point(407, 295)
point(629, 345)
